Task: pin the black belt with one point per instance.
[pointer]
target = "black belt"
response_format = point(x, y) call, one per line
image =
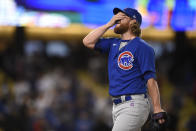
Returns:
point(119, 100)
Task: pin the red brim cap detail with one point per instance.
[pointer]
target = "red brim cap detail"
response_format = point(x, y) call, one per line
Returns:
point(116, 10)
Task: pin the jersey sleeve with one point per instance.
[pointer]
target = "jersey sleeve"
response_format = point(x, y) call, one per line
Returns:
point(146, 60)
point(103, 45)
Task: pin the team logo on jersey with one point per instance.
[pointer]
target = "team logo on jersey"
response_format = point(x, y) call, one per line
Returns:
point(125, 60)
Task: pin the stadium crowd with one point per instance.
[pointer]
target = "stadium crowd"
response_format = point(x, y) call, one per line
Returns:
point(42, 93)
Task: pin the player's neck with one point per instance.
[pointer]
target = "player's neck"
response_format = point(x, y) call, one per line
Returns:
point(127, 36)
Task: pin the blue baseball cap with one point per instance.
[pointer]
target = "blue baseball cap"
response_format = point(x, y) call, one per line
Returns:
point(132, 13)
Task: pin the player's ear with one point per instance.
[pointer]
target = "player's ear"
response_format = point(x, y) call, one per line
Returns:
point(133, 21)
point(135, 28)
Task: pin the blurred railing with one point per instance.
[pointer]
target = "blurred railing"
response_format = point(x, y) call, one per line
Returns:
point(75, 32)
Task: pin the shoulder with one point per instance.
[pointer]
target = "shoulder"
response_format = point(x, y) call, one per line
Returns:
point(109, 39)
point(143, 45)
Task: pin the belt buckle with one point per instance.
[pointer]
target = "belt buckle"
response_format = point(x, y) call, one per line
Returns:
point(122, 99)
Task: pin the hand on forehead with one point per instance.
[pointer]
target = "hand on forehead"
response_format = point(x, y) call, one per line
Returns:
point(121, 13)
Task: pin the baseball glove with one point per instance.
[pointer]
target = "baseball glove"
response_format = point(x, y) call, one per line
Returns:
point(155, 121)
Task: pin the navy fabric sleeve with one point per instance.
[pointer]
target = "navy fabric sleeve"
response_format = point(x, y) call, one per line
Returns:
point(146, 60)
point(103, 45)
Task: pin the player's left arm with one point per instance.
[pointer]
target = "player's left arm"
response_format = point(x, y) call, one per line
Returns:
point(153, 91)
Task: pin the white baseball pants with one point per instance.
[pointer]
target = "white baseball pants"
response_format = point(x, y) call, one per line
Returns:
point(131, 115)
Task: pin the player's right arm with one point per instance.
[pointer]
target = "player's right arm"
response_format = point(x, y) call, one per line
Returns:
point(91, 39)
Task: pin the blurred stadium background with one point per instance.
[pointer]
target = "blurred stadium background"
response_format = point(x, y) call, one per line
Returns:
point(50, 82)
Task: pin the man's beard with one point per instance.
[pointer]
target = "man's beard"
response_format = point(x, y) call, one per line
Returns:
point(122, 28)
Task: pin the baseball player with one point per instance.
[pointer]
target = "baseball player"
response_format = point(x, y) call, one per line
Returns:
point(131, 68)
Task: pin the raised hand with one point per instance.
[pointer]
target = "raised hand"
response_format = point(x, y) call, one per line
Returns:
point(115, 19)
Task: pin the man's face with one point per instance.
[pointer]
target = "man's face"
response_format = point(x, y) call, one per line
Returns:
point(122, 25)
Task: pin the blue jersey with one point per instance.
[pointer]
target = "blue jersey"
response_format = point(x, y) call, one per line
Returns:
point(130, 64)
